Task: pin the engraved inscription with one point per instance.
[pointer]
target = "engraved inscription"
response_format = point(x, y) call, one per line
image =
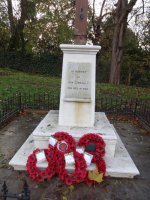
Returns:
point(78, 81)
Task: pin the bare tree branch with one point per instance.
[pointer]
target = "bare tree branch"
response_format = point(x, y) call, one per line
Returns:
point(101, 11)
point(93, 16)
point(130, 5)
point(143, 10)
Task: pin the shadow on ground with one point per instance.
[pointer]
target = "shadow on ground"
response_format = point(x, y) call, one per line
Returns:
point(136, 140)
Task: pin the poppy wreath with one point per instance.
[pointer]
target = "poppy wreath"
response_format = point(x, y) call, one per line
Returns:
point(64, 136)
point(71, 145)
point(97, 140)
point(41, 175)
point(79, 173)
point(101, 166)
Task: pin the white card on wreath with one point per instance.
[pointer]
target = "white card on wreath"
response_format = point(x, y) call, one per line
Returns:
point(40, 156)
point(80, 149)
point(69, 158)
point(88, 158)
point(52, 141)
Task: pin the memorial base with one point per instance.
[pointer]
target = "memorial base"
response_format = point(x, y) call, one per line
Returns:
point(118, 160)
point(49, 126)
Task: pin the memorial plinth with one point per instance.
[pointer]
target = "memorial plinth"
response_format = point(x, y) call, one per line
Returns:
point(77, 100)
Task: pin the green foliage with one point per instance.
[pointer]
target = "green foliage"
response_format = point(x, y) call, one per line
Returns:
point(104, 56)
point(136, 62)
point(47, 24)
point(52, 26)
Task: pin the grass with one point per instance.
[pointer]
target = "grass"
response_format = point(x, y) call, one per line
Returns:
point(123, 91)
point(12, 82)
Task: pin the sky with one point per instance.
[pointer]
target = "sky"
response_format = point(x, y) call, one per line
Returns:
point(98, 3)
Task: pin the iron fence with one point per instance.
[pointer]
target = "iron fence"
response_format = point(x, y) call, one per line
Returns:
point(50, 101)
point(24, 195)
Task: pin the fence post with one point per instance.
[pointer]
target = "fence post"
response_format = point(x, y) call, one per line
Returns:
point(20, 101)
point(4, 190)
point(135, 108)
point(25, 192)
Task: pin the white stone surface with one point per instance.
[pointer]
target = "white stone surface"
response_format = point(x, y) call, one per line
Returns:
point(77, 100)
point(49, 125)
point(121, 165)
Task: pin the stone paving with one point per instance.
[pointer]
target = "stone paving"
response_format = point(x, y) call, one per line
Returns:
point(136, 140)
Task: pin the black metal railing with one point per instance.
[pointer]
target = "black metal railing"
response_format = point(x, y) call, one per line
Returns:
point(32, 63)
point(24, 195)
point(12, 105)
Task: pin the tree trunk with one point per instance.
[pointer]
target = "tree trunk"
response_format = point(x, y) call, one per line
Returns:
point(12, 43)
point(21, 23)
point(10, 16)
point(122, 10)
point(17, 37)
point(129, 77)
point(117, 50)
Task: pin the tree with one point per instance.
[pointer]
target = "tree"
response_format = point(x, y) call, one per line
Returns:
point(104, 56)
point(39, 25)
point(4, 30)
point(132, 60)
point(51, 27)
point(119, 15)
point(123, 8)
point(98, 21)
point(17, 40)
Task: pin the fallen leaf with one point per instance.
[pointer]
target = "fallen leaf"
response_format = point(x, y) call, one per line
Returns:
point(71, 188)
point(64, 198)
point(95, 176)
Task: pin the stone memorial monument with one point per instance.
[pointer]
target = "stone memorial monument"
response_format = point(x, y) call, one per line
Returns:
point(76, 113)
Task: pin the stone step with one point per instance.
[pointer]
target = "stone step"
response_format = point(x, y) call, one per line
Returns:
point(49, 125)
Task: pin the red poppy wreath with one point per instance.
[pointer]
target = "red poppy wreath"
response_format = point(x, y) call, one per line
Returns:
point(97, 140)
point(79, 173)
point(34, 172)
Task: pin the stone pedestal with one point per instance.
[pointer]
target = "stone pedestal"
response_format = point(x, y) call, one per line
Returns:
point(77, 101)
